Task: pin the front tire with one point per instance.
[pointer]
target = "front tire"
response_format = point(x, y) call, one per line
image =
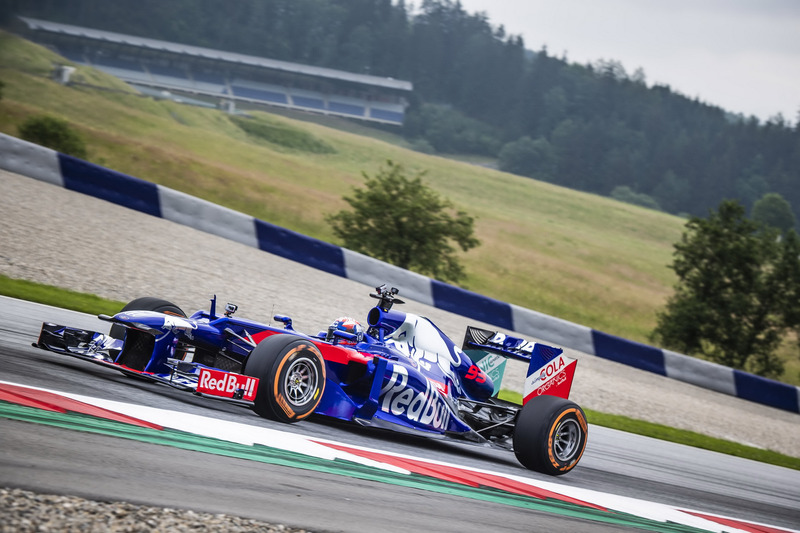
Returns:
point(139, 345)
point(291, 373)
point(550, 435)
point(146, 303)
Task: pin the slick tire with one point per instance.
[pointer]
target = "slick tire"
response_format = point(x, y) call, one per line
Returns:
point(550, 435)
point(147, 303)
point(291, 373)
point(137, 355)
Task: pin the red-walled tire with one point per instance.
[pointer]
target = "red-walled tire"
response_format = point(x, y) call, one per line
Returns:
point(291, 373)
point(550, 435)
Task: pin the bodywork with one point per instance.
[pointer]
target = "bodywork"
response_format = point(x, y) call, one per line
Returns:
point(404, 373)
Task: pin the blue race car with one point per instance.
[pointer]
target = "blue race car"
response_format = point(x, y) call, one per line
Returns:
point(399, 372)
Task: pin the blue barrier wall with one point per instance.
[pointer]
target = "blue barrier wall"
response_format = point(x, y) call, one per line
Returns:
point(44, 164)
point(629, 353)
point(115, 187)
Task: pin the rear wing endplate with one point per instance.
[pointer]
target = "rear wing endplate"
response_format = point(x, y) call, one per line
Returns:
point(549, 370)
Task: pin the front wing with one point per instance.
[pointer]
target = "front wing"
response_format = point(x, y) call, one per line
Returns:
point(102, 349)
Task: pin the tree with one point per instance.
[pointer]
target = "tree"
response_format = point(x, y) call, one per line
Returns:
point(672, 192)
point(527, 157)
point(623, 193)
point(450, 131)
point(404, 222)
point(774, 211)
point(53, 133)
point(737, 291)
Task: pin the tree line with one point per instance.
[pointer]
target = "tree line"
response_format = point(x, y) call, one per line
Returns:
point(478, 90)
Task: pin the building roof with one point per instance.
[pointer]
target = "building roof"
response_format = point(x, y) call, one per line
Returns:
point(208, 53)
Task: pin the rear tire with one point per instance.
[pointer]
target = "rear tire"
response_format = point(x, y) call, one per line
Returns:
point(550, 435)
point(139, 345)
point(291, 373)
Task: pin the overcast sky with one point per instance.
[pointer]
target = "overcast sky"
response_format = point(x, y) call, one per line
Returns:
point(741, 55)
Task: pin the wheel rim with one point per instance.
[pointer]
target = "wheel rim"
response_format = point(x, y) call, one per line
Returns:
point(301, 381)
point(567, 439)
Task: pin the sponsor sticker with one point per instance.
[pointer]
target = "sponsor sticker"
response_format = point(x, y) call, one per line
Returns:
point(494, 366)
point(554, 378)
point(423, 407)
point(227, 384)
point(513, 344)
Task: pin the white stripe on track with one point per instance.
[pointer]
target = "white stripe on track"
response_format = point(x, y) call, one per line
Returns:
point(249, 435)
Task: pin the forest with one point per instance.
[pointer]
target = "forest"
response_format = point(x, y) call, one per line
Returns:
point(480, 91)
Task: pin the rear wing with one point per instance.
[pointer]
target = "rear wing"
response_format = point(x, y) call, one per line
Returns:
point(549, 370)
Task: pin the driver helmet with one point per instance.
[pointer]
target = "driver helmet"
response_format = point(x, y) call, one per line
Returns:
point(349, 325)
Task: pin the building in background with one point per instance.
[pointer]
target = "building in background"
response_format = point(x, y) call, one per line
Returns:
point(221, 78)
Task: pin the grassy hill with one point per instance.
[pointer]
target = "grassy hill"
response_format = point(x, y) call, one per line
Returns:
point(581, 257)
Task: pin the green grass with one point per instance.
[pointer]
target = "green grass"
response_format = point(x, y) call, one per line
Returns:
point(690, 438)
point(88, 303)
point(679, 436)
point(580, 257)
point(281, 134)
point(45, 294)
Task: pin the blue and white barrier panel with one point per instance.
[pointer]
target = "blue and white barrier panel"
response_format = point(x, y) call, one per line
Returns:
point(74, 174)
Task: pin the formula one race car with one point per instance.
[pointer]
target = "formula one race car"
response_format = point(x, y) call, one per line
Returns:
point(400, 372)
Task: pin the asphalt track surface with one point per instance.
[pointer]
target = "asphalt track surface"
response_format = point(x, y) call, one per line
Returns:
point(57, 460)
